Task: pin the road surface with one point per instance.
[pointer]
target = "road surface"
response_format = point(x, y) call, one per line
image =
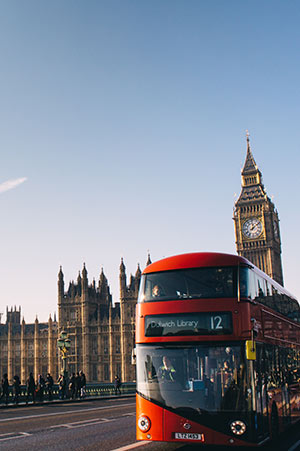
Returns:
point(105, 424)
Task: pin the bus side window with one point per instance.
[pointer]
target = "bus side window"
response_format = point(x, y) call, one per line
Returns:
point(262, 290)
point(253, 285)
point(277, 297)
point(243, 282)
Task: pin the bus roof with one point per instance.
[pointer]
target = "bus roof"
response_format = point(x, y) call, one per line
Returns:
point(195, 260)
point(204, 259)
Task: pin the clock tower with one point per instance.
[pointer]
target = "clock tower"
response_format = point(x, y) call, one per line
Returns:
point(256, 222)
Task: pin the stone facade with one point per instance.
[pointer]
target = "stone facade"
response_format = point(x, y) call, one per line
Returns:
point(256, 222)
point(27, 348)
point(102, 334)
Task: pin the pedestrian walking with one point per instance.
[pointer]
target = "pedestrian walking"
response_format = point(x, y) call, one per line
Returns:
point(82, 384)
point(72, 386)
point(49, 385)
point(30, 384)
point(117, 384)
point(5, 388)
point(77, 385)
point(61, 386)
point(40, 387)
point(16, 388)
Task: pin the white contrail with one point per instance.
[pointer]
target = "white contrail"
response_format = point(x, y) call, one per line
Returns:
point(11, 184)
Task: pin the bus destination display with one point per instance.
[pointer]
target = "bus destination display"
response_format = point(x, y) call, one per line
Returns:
point(181, 324)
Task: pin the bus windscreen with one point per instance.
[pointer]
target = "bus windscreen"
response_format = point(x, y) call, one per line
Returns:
point(191, 283)
point(194, 379)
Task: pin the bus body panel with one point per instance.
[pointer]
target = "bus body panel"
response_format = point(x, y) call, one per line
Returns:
point(152, 411)
point(165, 424)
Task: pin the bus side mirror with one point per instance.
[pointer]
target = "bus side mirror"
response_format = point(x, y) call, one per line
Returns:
point(250, 350)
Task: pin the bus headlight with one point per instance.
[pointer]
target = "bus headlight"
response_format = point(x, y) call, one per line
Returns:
point(238, 427)
point(144, 423)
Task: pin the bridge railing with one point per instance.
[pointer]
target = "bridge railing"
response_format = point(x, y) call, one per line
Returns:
point(92, 390)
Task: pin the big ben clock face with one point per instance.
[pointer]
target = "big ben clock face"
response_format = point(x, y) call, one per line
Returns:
point(252, 228)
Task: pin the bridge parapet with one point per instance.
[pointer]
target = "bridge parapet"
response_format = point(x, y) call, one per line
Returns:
point(93, 390)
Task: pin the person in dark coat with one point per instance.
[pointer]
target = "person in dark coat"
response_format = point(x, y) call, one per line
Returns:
point(72, 386)
point(82, 384)
point(5, 388)
point(49, 385)
point(16, 388)
point(30, 384)
point(77, 385)
point(40, 387)
point(117, 384)
point(62, 386)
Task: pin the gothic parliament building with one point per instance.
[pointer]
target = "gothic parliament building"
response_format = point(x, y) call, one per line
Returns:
point(102, 334)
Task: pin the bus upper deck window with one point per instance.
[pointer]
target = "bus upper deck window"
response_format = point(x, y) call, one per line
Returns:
point(244, 272)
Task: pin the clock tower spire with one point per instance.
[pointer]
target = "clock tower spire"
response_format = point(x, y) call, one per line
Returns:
point(256, 222)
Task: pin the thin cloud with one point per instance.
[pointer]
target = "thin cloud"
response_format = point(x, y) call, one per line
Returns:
point(11, 184)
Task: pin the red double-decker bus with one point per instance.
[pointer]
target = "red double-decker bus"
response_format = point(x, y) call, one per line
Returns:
point(217, 352)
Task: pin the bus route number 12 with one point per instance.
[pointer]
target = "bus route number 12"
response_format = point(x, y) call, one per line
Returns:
point(216, 322)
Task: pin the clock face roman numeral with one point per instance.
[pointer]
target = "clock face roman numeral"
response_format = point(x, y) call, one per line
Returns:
point(252, 228)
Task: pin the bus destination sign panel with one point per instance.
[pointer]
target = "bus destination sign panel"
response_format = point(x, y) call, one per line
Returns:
point(181, 324)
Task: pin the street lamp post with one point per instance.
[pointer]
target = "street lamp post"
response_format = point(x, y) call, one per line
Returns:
point(64, 343)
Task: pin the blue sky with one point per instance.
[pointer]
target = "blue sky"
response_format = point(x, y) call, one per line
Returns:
point(128, 119)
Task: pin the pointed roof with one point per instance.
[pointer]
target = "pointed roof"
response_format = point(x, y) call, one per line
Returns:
point(60, 274)
point(252, 186)
point(102, 278)
point(122, 266)
point(250, 166)
point(149, 260)
point(84, 271)
point(252, 193)
point(138, 271)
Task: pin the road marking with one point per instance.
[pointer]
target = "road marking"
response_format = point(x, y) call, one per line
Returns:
point(295, 446)
point(79, 424)
point(89, 424)
point(76, 404)
point(132, 446)
point(75, 423)
point(4, 420)
point(13, 435)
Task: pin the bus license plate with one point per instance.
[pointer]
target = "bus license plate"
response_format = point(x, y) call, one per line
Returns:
point(188, 436)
